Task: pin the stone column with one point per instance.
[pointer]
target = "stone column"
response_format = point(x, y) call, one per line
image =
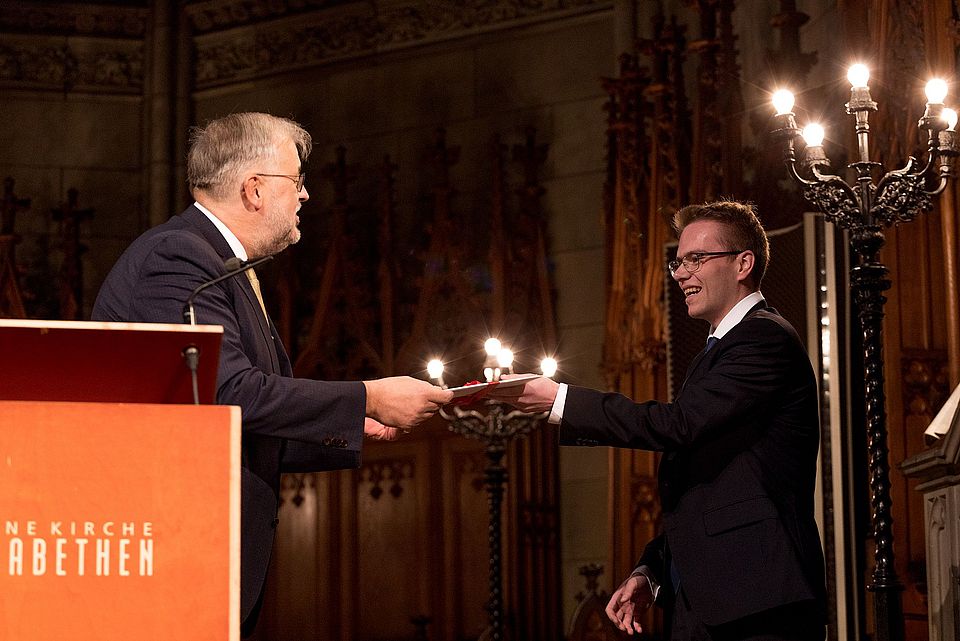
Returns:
point(158, 101)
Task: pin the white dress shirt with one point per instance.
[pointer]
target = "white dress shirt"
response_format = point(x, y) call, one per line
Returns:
point(228, 235)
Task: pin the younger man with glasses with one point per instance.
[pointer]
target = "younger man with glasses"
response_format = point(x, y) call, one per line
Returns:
point(739, 557)
point(246, 173)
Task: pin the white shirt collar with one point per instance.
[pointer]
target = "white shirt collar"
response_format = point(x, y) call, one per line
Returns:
point(735, 315)
point(228, 235)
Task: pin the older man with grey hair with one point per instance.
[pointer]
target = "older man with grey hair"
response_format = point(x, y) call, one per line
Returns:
point(246, 174)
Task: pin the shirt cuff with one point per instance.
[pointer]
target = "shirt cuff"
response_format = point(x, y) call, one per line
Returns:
point(556, 412)
point(645, 572)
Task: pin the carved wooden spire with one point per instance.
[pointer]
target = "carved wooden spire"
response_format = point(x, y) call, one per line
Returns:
point(528, 279)
point(337, 342)
point(387, 276)
point(448, 300)
point(627, 203)
point(11, 299)
point(717, 158)
point(498, 244)
point(671, 116)
point(70, 216)
point(790, 65)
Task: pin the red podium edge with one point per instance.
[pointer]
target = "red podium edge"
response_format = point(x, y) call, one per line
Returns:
point(46, 360)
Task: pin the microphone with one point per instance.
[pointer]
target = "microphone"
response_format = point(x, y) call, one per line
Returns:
point(191, 354)
point(234, 266)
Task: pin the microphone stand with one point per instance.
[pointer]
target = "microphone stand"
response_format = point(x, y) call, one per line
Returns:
point(191, 353)
point(191, 356)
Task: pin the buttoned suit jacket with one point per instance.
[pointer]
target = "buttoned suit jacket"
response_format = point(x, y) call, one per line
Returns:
point(289, 424)
point(737, 476)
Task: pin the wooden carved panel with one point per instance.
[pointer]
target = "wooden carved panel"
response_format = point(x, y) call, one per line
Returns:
point(235, 44)
point(360, 300)
point(925, 381)
point(391, 527)
point(107, 57)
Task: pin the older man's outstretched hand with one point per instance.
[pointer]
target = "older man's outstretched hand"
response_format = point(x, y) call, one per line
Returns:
point(402, 401)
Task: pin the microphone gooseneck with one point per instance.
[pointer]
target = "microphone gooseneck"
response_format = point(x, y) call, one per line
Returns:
point(234, 266)
point(191, 354)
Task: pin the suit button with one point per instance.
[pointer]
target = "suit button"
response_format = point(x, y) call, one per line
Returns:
point(326, 442)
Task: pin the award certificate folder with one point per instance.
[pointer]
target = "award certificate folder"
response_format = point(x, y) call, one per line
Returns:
point(472, 389)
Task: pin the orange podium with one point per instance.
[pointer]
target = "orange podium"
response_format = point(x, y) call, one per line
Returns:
point(119, 502)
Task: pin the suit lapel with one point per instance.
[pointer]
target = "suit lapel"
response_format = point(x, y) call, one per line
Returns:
point(695, 363)
point(693, 366)
point(213, 236)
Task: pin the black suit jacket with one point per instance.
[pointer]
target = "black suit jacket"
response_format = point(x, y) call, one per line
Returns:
point(289, 424)
point(737, 478)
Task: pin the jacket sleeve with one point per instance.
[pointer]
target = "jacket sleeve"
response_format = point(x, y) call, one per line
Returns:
point(652, 565)
point(729, 390)
point(325, 413)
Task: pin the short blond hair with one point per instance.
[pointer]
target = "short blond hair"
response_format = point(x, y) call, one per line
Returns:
point(223, 148)
point(743, 229)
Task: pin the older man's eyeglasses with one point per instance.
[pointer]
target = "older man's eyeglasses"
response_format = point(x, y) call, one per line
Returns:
point(692, 261)
point(297, 178)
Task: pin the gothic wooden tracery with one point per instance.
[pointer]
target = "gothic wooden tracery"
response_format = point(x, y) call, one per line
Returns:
point(376, 309)
point(11, 298)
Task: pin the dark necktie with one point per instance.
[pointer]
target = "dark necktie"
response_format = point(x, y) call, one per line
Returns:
point(711, 341)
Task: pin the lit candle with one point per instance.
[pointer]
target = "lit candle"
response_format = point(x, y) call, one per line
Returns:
point(858, 75)
point(504, 360)
point(435, 371)
point(783, 102)
point(936, 91)
point(492, 347)
point(786, 124)
point(948, 137)
point(813, 135)
point(951, 117)
point(548, 366)
point(860, 101)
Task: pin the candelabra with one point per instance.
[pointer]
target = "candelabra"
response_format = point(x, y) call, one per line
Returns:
point(864, 209)
point(496, 426)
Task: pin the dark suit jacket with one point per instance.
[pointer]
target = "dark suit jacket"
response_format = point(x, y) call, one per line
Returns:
point(737, 477)
point(289, 424)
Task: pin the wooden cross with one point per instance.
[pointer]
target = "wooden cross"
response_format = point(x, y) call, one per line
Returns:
point(11, 300)
point(9, 206)
point(71, 272)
